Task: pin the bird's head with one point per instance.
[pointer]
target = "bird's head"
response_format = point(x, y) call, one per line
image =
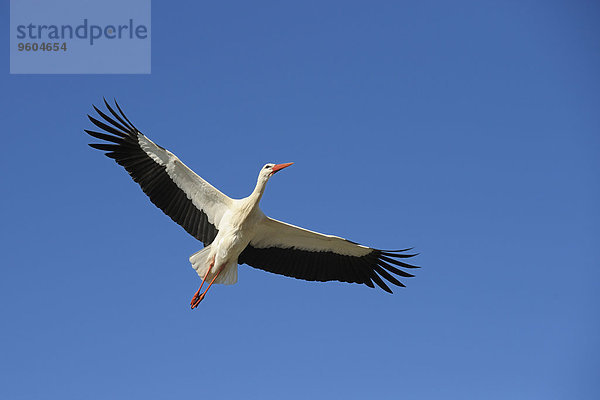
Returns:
point(269, 169)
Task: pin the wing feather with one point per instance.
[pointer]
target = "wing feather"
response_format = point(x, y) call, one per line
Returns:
point(289, 250)
point(180, 193)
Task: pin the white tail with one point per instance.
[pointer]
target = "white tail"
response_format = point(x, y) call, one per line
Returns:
point(201, 262)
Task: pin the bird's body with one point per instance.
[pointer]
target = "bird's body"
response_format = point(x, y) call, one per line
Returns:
point(238, 227)
point(236, 231)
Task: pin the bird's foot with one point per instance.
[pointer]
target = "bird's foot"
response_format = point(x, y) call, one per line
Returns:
point(197, 299)
point(196, 295)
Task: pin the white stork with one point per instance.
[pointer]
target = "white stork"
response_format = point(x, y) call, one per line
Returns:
point(236, 231)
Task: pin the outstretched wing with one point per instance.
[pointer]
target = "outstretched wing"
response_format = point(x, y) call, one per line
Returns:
point(292, 251)
point(174, 188)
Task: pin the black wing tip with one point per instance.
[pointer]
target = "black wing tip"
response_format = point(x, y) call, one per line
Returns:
point(124, 116)
point(128, 124)
point(90, 132)
point(398, 253)
point(371, 269)
point(106, 104)
point(382, 285)
point(393, 258)
point(384, 269)
point(104, 146)
point(369, 283)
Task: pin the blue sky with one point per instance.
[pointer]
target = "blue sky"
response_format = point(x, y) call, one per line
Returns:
point(467, 129)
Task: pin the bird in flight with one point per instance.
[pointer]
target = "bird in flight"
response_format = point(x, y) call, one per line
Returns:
point(236, 231)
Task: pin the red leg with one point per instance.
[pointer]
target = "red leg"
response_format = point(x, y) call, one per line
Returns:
point(201, 297)
point(197, 294)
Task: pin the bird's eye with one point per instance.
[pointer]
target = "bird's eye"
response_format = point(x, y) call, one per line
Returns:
point(267, 166)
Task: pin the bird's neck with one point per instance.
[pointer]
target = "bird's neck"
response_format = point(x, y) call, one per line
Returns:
point(258, 192)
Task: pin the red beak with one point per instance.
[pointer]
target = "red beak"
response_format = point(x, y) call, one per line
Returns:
point(279, 167)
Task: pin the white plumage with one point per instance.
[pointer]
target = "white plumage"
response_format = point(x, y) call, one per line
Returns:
point(236, 231)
